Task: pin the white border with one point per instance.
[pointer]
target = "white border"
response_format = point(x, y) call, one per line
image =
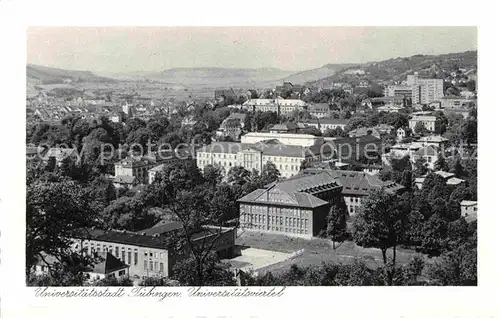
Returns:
point(18, 301)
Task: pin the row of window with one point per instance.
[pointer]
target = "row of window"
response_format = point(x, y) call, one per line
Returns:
point(255, 209)
point(125, 255)
point(274, 220)
point(153, 266)
point(278, 229)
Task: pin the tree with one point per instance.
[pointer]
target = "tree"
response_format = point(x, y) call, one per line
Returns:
point(270, 173)
point(457, 168)
point(312, 131)
point(420, 129)
point(215, 272)
point(420, 166)
point(441, 164)
point(238, 175)
point(212, 174)
point(337, 223)
point(53, 211)
point(471, 85)
point(382, 223)
point(181, 189)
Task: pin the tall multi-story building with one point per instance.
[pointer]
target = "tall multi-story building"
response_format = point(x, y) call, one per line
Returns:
point(403, 91)
point(296, 207)
point(425, 90)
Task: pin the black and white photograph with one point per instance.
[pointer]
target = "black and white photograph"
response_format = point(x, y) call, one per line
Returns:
point(251, 156)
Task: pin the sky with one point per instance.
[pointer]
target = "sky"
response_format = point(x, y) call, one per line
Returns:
point(108, 50)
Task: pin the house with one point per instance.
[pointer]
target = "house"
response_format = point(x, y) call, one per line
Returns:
point(364, 131)
point(230, 127)
point(429, 122)
point(287, 127)
point(454, 102)
point(450, 178)
point(127, 182)
point(400, 134)
point(59, 154)
point(429, 153)
point(320, 110)
point(278, 105)
point(434, 140)
point(33, 153)
point(297, 207)
point(188, 121)
point(325, 124)
point(468, 210)
point(108, 266)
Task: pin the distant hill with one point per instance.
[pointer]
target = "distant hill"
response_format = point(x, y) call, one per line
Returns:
point(396, 69)
point(211, 76)
point(37, 74)
point(316, 74)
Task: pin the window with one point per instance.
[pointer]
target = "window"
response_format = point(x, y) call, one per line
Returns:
point(161, 267)
point(150, 265)
point(156, 255)
point(117, 253)
point(121, 273)
point(136, 257)
point(145, 265)
point(156, 266)
point(123, 256)
point(145, 254)
point(129, 257)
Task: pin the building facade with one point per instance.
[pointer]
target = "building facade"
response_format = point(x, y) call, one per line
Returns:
point(296, 207)
point(428, 121)
point(425, 90)
point(286, 158)
point(325, 124)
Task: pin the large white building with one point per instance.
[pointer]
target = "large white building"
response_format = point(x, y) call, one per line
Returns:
point(303, 140)
point(278, 105)
point(429, 122)
point(286, 158)
point(325, 124)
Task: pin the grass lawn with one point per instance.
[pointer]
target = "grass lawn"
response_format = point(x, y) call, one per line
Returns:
point(316, 251)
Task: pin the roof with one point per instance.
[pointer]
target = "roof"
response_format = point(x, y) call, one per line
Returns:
point(326, 121)
point(278, 196)
point(433, 139)
point(108, 264)
point(122, 237)
point(59, 153)
point(444, 174)
point(361, 183)
point(239, 116)
point(125, 179)
point(318, 107)
point(468, 203)
point(161, 227)
point(285, 126)
point(157, 168)
point(423, 118)
point(311, 183)
point(454, 181)
point(427, 151)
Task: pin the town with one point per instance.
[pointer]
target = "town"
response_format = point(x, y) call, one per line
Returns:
point(364, 177)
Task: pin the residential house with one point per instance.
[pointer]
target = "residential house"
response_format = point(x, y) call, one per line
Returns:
point(325, 124)
point(450, 178)
point(429, 153)
point(429, 122)
point(127, 182)
point(468, 210)
point(59, 154)
point(297, 207)
point(320, 110)
point(230, 127)
point(434, 140)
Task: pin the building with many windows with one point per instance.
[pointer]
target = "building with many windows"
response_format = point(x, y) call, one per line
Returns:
point(425, 90)
point(325, 124)
point(148, 253)
point(278, 105)
point(286, 158)
point(429, 122)
point(296, 207)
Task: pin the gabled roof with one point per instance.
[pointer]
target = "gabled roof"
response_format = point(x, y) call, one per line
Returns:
point(125, 179)
point(278, 196)
point(427, 151)
point(444, 174)
point(108, 264)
